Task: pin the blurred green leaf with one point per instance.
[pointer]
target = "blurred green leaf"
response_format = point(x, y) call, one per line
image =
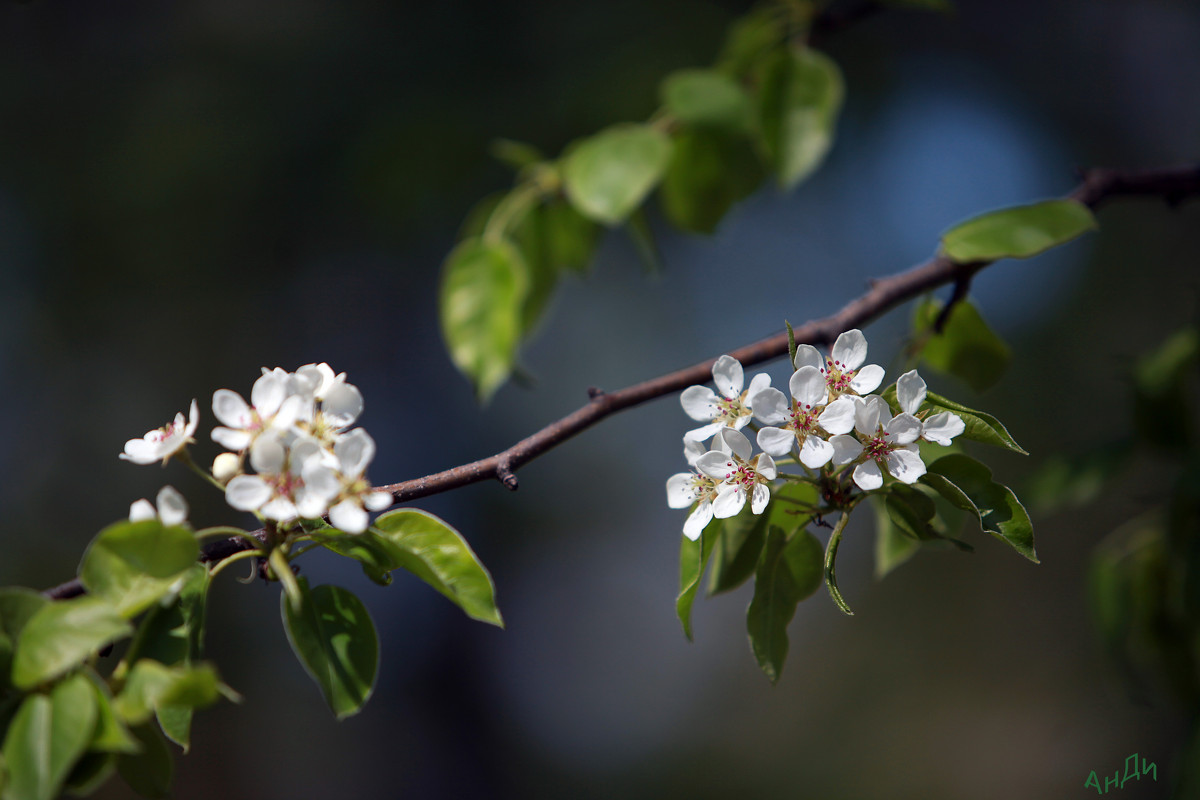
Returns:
point(484, 285)
point(750, 39)
point(17, 605)
point(707, 98)
point(740, 538)
point(151, 686)
point(911, 511)
point(149, 771)
point(968, 484)
point(693, 556)
point(62, 635)
point(111, 735)
point(46, 737)
point(966, 348)
point(133, 564)
point(788, 571)
point(1070, 482)
point(980, 427)
point(90, 772)
point(334, 638)
point(437, 554)
point(517, 155)
point(799, 101)
point(708, 173)
point(553, 237)
point(892, 546)
point(366, 548)
point(1018, 232)
point(644, 242)
point(606, 176)
point(1163, 395)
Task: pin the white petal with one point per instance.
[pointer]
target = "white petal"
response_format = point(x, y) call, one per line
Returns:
point(809, 356)
point(868, 476)
point(845, 449)
point(903, 429)
point(759, 382)
point(815, 452)
point(310, 504)
point(910, 391)
point(771, 406)
point(268, 455)
point(193, 420)
point(838, 416)
point(698, 520)
point(342, 404)
point(681, 490)
point(377, 501)
point(850, 350)
point(141, 510)
point(349, 517)
point(760, 498)
point(867, 379)
point(247, 492)
point(355, 451)
point(321, 481)
point(728, 376)
point(905, 464)
point(268, 393)
point(141, 451)
point(729, 502)
point(870, 412)
point(692, 450)
point(715, 464)
point(807, 385)
point(279, 508)
point(776, 441)
point(699, 403)
point(232, 439)
point(728, 440)
point(229, 408)
point(172, 508)
point(704, 432)
point(942, 427)
point(764, 465)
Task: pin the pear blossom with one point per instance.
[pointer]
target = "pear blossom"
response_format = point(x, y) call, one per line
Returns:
point(883, 441)
point(686, 488)
point(939, 428)
point(729, 406)
point(162, 443)
point(339, 477)
point(340, 403)
point(271, 491)
point(736, 474)
point(806, 420)
point(271, 407)
point(172, 508)
point(844, 370)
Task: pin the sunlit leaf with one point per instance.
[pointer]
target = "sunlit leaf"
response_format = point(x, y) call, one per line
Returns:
point(966, 347)
point(980, 427)
point(437, 554)
point(367, 549)
point(799, 102)
point(133, 564)
point(788, 571)
point(968, 484)
point(62, 635)
point(707, 98)
point(708, 173)
point(333, 636)
point(484, 284)
point(17, 605)
point(606, 176)
point(151, 686)
point(46, 737)
point(1018, 232)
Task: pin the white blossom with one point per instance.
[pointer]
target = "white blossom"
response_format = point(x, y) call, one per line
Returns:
point(162, 443)
point(844, 370)
point(729, 406)
point(883, 441)
point(807, 421)
point(339, 482)
point(172, 508)
point(271, 407)
point(939, 428)
point(738, 475)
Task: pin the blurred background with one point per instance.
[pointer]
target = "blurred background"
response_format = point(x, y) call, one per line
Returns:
point(190, 191)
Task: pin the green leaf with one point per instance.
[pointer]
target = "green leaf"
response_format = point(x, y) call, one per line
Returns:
point(693, 557)
point(62, 635)
point(1018, 232)
point(151, 686)
point(173, 633)
point(968, 484)
point(911, 511)
point(788, 572)
point(111, 735)
point(366, 548)
point(90, 772)
point(606, 176)
point(133, 564)
point(751, 39)
point(333, 636)
point(1075, 481)
point(46, 737)
point(706, 98)
point(484, 284)
point(708, 173)
point(892, 546)
point(739, 542)
point(980, 427)
point(148, 772)
point(1163, 400)
point(799, 101)
point(966, 348)
point(553, 238)
point(17, 605)
point(437, 554)
point(644, 243)
point(517, 155)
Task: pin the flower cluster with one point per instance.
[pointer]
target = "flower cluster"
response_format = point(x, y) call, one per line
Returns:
point(830, 423)
point(294, 433)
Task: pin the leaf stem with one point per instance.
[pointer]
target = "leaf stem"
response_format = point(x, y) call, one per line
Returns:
point(830, 555)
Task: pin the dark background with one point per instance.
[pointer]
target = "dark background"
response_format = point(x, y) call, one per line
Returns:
point(190, 191)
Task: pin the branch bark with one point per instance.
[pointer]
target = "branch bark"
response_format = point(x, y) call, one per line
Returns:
point(1096, 187)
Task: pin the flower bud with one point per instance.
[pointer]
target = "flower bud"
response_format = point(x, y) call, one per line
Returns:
point(225, 467)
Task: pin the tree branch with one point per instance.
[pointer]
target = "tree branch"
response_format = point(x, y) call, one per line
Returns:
point(1096, 187)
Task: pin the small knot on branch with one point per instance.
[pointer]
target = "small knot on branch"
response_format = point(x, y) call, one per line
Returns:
point(506, 476)
point(594, 392)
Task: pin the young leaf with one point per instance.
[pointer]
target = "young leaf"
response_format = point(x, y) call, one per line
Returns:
point(149, 771)
point(46, 737)
point(707, 98)
point(606, 176)
point(966, 348)
point(111, 735)
point(788, 572)
point(799, 101)
point(751, 39)
point(980, 427)
point(133, 564)
point(739, 542)
point(693, 557)
point(1018, 232)
point(333, 636)
point(709, 172)
point(151, 686)
point(484, 284)
point(62, 635)
point(968, 484)
point(172, 634)
point(437, 554)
